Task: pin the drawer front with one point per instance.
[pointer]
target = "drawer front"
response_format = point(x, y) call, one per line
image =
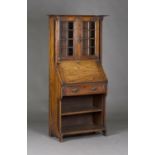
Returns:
point(84, 89)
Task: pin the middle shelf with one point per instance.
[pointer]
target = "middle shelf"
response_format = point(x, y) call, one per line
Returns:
point(80, 111)
point(77, 106)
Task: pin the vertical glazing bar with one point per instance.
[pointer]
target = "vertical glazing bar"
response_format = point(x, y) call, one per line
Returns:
point(73, 39)
point(67, 40)
point(95, 38)
point(88, 37)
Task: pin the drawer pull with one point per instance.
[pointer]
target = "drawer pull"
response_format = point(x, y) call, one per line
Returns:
point(94, 89)
point(74, 90)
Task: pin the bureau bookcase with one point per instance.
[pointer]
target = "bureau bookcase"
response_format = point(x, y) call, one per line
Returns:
point(77, 81)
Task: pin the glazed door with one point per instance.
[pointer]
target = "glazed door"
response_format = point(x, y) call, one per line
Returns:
point(89, 28)
point(66, 38)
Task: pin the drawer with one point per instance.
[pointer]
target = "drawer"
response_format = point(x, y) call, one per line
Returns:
point(84, 89)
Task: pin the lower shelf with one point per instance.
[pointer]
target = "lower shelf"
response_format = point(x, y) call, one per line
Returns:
point(81, 111)
point(80, 129)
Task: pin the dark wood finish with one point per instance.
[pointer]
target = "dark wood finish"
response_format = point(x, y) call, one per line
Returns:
point(77, 81)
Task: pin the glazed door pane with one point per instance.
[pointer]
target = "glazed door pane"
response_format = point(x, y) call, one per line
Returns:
point(88, 38)
point(67, 39)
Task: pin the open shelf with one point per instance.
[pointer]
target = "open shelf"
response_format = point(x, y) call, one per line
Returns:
point(83, 123)
point(81, 111)
point(81, 114)
point(80, 105)
point(80, 129)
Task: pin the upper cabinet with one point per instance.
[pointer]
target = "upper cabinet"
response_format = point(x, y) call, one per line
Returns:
point(77, 37)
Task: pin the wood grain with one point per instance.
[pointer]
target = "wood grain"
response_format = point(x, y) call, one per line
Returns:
point(81, 71)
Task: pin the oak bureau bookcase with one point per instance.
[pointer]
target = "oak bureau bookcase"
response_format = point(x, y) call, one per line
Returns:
point(76, 76)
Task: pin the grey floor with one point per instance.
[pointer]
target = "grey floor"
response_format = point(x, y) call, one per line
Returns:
point(115, 143)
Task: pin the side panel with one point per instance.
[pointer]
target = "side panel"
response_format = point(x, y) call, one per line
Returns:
point(52, 81)
point(51, 74)
point(58, 105)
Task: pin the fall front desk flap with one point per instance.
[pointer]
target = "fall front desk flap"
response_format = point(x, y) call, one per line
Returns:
point(81, 71)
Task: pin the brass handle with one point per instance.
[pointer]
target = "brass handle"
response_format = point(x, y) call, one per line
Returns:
point(74, 90)
point(94, 89)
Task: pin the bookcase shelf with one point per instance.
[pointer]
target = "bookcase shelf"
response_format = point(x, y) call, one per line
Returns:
point(81, 105)
point(81, 129)
point(81, 111)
